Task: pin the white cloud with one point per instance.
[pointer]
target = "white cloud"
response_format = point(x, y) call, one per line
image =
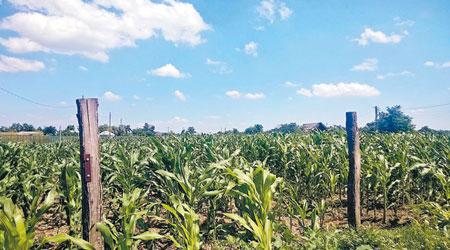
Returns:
point(305, 92)
point(370, 35)
point(403, 73)
point(429, 63)
point(83, 68)
point(406, 23)
point(437, 65)
point(446, 65)
point(254, 96)
point(251, 48)
point(290, 84)
point(369, 64)
point(268, 8)
point(62, 103)
point(340, 89)
point(233, 94)
point(251, 96)
point(110, 96)
point(259, 28)
point(92, 28)
point(14, 64)
point(218, 66)
point(284, 11)
point(136, 97)
point(168, 70)
point(179, 95)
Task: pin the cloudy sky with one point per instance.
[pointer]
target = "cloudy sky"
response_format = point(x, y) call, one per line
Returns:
point(216, 64)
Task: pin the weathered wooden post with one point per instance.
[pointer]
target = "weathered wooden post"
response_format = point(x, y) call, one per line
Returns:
point(354, 174)
point(90, 170)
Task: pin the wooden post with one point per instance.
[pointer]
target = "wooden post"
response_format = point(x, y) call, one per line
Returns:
point(90, 170)
point(354, 174)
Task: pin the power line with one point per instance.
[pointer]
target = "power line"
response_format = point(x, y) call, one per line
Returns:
point(31, 101)
point(432, 106)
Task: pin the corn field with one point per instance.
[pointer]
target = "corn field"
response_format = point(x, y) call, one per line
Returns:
point(261, 191)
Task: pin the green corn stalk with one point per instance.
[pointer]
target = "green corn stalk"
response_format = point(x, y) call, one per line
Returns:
point(254, 192)
point(17, 233)
point(123, 237)
point(185, 224)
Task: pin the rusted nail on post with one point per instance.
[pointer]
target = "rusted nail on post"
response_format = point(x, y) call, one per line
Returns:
point(354, 173)
point(90, 170)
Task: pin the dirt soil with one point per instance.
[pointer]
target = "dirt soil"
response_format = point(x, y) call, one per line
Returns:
point(54, 222)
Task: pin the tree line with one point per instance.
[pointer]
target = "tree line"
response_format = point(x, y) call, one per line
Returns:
point(392, 120)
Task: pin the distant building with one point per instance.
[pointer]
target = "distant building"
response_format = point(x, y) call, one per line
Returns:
point(106, 134)
point(314, 126)
point(30, 133)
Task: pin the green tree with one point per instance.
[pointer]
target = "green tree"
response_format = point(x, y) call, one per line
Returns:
point(393, 120)
point(50, 130)
point(190, 130)
point(287, 128)
point(28, 127)
point(258, 128)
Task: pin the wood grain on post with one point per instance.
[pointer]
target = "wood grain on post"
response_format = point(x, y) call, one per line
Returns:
point(354, 174)
point(90, 170)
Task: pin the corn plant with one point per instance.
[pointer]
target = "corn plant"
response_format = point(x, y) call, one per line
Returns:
point(184, 223)
point(17, 233)
point(254, 194)
point(123, 237)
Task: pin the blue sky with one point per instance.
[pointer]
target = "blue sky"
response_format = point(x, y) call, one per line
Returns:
point(224, 64)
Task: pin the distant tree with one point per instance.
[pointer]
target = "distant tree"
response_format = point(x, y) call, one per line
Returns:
point(69, 131)
point(149, 128)
point(128, 129)
point(28, 127)
point(16, 127)
point(70, 128)
point(191, 130)
point(235, 131)
point(425, 129)
point(258, 128)
point(103, 128)
point(287, 128)
point(50, 130)
point(393, 120)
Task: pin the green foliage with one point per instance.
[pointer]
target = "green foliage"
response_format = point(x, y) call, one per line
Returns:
point(17, 233)
point(287, 128)
point(258, 128)
point(394, 120)
point(413, 237)
point(254, 193)
point(122, 237)
point(191, 183)
point(50, 130)
point(185, 224)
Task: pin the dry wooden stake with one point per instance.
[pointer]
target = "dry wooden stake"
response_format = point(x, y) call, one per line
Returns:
point(90, 170)
point(354, 174)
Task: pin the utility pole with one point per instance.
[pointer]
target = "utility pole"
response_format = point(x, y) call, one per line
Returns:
point(354, 173)
point(376, 113)
point(59, 133)
point(91, 184)
point(376, 117)
point(110, 129)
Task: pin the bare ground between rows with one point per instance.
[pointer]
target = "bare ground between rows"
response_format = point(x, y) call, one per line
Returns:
point(54, 222)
